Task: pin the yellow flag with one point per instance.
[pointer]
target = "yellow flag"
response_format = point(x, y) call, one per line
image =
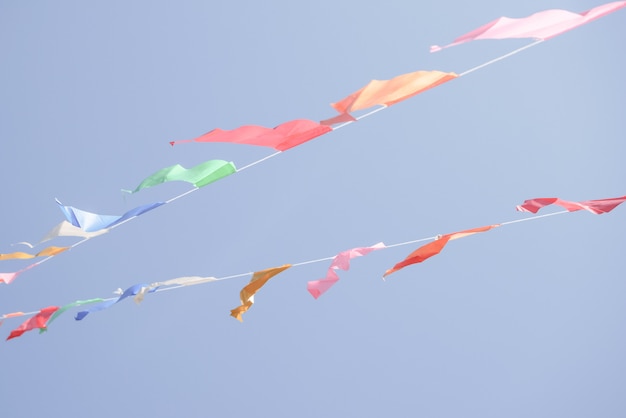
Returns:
point(46, 252)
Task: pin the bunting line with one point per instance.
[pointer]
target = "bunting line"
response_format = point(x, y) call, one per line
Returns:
point(347, 103)
point(303, 263)
point(500, 58)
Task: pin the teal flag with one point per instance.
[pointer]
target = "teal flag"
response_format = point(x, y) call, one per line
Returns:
point(199, 176)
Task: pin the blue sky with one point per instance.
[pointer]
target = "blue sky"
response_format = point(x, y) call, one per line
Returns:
point(524, 320)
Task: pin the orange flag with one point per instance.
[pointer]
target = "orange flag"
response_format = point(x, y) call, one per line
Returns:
point(388, 92)
point(257, 282)
point(46, 252)
point(433, 248)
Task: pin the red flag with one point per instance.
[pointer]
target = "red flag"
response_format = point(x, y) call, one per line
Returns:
point(433, 248)
point(281, 138)
point(37, 321)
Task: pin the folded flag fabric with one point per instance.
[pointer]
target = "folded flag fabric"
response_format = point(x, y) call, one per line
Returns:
point(598, 207)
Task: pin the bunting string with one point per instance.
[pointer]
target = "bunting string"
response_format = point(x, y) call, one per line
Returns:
point(302, 263)
point(493, 61)
point(259, 161)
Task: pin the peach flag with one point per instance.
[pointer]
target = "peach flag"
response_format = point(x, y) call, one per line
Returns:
point(387, 92)
point(10, 315)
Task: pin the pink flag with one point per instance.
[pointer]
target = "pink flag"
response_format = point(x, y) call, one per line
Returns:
point(594, 206)
point(341, 261)
point(543, 25)
point(37, 321)
point(281, 138)
point(7, 278)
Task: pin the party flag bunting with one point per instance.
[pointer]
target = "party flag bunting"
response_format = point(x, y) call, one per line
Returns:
point(316, 288)
point(541, 26)
point(341, 261)
point(46, 252)
point(92, 222)
point(281, 138)
point(433, 248)
point(598, 207)
point(247, 293)
point(200, 175)
point(37, 321)
point(387, 92)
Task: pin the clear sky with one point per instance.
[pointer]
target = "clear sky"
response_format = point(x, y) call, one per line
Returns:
point(525, 320)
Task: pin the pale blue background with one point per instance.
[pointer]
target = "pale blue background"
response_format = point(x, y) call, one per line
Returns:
point(526, 320)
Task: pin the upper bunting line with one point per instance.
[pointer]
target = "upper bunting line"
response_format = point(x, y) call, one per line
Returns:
point(541, 26)
point(139, 290)
point(181, 195)
point(236, 170)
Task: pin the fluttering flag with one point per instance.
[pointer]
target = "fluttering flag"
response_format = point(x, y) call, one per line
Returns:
point(387, 92)
point(66, 229)
point(281, 138)
point(541, 26)
point(92, 222)
point(200, 175)
point(37, 321)
point(180, 281)
point(64, 308)
point(433, 248)
point(341, 261)
point(7, 278)
point(46, 252)
point(10, 315)
point(131, 291)
point(598, 207)
point(247, 293)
